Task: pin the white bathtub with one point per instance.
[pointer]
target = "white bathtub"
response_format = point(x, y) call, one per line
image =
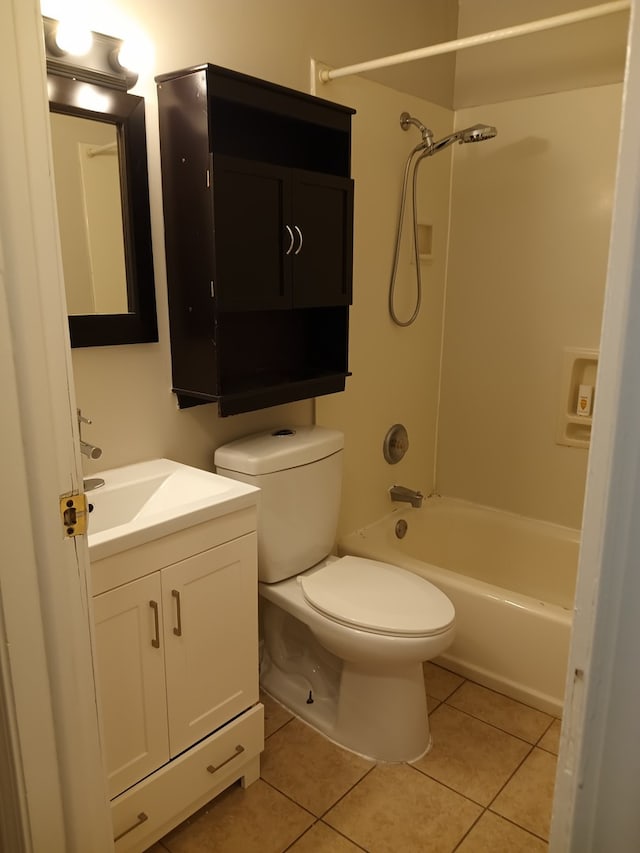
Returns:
point(511, 580)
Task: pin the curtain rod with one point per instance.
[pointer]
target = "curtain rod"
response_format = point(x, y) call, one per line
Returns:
point(326, 74)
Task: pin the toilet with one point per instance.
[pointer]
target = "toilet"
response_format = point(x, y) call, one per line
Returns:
point(342, 639)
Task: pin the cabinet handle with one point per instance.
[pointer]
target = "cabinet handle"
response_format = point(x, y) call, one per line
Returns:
point(292, 238)
point(297, 251)
point(155, 642)
point(141, 819)
point(238, 750)
point(178, 629)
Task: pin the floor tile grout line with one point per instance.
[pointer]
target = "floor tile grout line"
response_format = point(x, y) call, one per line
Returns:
point(298, 837)
point(320, 819)
point(518, 825)
point(355, 785)
point(529, 753)
point(493, 725)
point(545, 733)
point(510, 698)
point(475, 822)
point(286, 723)
point(290, 798)
point(342, 835)
point(449, 788)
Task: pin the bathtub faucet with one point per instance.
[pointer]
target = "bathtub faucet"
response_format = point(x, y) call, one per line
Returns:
point(88, 450)
point(402, 493)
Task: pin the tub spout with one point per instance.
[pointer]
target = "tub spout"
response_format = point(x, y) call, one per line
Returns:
point(90, 450)
point(402, 493)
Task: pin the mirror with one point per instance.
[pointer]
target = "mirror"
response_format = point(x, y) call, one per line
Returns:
point(100, 165)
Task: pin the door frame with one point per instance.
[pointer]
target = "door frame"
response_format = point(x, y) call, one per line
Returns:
point(600, 750)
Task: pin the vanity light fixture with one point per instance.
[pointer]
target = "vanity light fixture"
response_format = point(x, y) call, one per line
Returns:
point(93, 58)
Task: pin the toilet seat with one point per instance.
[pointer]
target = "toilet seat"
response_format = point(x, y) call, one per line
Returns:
point(378, 597)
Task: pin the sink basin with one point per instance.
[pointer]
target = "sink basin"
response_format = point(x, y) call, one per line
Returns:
point(151, 499)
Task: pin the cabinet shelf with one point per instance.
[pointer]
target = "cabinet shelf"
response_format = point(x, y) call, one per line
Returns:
point(258, 205)
point(260, 393)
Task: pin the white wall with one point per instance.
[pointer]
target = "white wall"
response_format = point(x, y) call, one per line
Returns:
point(530, 223)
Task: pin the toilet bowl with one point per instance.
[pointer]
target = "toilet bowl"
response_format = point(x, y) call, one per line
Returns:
point(379, 623)
point(343, 640)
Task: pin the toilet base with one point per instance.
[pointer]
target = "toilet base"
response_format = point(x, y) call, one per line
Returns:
point(378, 711)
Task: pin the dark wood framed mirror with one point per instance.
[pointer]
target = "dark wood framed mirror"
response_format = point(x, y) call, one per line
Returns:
point(102, 187)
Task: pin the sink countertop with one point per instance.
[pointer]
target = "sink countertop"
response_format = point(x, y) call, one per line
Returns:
point(148, 500)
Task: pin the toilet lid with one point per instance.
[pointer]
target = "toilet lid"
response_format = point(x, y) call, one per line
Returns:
point(378, 597)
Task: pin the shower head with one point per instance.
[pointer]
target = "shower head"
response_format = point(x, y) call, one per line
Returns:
point(476, 133)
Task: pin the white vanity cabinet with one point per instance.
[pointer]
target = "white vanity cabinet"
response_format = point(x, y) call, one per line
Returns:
point(176, 651)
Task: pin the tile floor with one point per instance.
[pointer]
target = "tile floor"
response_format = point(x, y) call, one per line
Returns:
point(486, 786)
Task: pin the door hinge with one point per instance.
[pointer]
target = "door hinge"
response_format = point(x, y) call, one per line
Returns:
point(73, 513)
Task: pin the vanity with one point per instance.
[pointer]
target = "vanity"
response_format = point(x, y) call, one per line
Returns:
point(174, 593)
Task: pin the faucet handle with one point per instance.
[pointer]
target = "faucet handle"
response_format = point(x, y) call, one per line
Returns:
point(82, 419)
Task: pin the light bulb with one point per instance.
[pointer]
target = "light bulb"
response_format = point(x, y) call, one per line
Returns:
point(136, 54)
point(74, 37)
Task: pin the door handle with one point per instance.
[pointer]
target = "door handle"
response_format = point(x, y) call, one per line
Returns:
point(297, 251)
point(178, 629)
point(292, 239)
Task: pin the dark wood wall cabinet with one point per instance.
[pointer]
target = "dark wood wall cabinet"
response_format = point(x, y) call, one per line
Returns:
point(258, 213)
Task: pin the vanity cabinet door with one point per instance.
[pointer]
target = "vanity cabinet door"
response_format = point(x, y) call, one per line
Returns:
point(131, 680)
point(211, 647)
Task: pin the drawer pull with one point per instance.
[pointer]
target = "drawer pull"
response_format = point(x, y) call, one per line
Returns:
point(178, 629)
point(239, 749)
point(141, 819)
point(156, 640)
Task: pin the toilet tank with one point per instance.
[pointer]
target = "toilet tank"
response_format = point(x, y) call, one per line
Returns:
point(299, 473)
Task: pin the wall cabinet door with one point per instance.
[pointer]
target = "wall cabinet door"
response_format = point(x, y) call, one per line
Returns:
point(131, 681)
point(211, 649)
point(322, 215)
point(252, 255)
point(283, 237)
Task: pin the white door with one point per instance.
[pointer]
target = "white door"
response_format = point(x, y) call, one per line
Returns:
point(49, 718)
point(131, 684)
point(210, 607)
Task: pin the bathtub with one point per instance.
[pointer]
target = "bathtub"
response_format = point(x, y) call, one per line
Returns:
point(511, 580)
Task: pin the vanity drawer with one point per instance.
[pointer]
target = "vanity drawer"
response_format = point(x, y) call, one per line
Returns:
point(150, 809)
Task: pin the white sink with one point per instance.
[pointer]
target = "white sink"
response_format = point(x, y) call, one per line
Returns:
point(151, 499)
